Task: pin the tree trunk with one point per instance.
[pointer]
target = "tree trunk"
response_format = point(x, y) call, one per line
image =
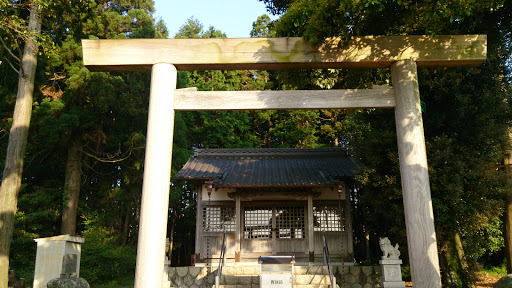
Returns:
point(11, 177)
point(459, 263)
point(72, 187)
point(508, 233)
point(126, 224)
point(460, 252)
point(445, 267)
point(508, 212)
point(367, 244)
point(171, 236)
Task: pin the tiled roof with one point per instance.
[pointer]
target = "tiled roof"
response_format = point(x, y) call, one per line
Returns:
point(269, 167)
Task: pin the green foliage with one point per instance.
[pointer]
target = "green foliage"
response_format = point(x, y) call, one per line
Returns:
point(104, 260)
point(406, 272)
point(277, 6)
point(262, 27)
point(194, 29)
point(462, 173)
point(493, 234)
point(317, 20)
point(23, 248)
point(37, 217)
point(495, 271)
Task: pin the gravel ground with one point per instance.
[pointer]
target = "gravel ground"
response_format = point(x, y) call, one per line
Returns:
point(486, 280)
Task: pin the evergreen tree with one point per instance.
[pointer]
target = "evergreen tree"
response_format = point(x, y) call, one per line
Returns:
point(262, 27)
point(100, 118)
point(13, 166)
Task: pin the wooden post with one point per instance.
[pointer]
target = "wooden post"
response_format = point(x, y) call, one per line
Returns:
point(157, 173)
point(238, 227)
point(419, 216)
point(349, 257)
point(199, 223)
point(311, 230)
point(273, 231)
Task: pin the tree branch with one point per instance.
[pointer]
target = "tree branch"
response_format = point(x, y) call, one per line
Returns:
point(110, 158)
point(33, 157)
point(12, 66)
point(94, 170)
point(9, 50)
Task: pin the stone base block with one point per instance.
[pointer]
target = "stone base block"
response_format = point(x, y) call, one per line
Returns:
point(388, 284)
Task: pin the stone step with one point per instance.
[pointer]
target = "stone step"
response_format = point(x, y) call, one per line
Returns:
point(241, 270)
point(311, 279)
point(255, 270)
point(257, 286)
point(317, 281)
point(311, 286)
point(240, 279)
point(311, 270)
point(240, 286)
point(249, 275)
point(255, 279)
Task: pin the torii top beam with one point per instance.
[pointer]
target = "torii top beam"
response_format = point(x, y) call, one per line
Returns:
point(282, 53)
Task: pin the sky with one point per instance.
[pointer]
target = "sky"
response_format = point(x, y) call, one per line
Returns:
point(233, 17)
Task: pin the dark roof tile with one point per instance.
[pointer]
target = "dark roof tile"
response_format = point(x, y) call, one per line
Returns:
point(269, 167)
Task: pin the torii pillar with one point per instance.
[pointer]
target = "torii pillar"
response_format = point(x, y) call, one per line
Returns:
point(157, 173)
point(419, 215)
point(401, 53)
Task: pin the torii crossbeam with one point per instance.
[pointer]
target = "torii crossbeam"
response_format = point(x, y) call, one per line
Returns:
point(401, 53)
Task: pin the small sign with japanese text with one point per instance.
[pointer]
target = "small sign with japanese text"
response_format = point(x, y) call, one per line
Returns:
point(276, 280)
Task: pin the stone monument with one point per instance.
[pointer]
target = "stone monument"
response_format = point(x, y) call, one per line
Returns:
point(55, 256)
point(391, 271)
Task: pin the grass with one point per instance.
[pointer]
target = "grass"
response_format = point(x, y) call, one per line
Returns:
point(495, 271)
point(123, 282)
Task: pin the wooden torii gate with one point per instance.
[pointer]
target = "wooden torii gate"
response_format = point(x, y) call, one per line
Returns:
point(401, 53)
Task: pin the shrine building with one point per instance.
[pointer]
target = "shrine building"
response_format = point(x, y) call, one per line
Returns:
point(272, 202)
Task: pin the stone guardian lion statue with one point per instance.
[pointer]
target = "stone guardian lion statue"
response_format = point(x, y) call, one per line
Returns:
point(389, 251)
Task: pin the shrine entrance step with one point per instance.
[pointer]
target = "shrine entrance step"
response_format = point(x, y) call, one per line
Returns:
point(246, 276)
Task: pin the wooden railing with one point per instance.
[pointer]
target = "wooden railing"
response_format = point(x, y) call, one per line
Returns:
point(221, 260)
point(327, 260)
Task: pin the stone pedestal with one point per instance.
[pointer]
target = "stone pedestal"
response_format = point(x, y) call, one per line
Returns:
point(55, 256)
point(68, 282)
point(391, 273)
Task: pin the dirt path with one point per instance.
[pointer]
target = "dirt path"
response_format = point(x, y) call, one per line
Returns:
point(485, 280)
